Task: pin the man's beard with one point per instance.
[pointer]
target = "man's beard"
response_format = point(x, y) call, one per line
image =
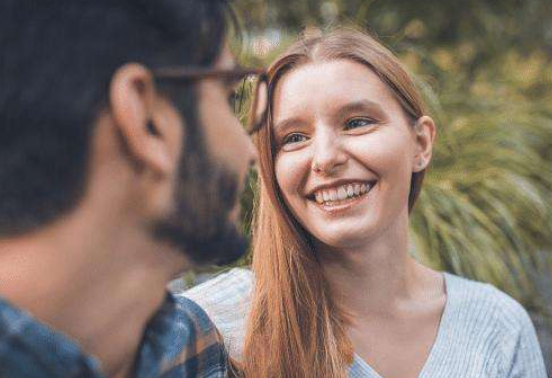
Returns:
point(206, 193)
point(200, 225)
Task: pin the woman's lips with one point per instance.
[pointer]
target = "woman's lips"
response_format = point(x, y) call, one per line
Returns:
point(342, 205)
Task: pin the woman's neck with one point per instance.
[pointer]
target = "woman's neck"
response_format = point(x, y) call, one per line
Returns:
point(377, 277)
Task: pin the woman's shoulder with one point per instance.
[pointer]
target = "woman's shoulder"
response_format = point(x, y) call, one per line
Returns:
point(227, 291)
point(486, 301)
point(225, 298)
point(492, 320)
point(226, 287)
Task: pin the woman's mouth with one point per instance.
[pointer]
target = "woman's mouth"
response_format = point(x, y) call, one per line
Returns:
point(341, 196)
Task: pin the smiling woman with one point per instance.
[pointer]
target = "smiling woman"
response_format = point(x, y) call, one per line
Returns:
point(337, 128)
point(333, 290)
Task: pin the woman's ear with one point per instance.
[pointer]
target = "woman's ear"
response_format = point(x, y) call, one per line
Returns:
point(133, 99)
point(424, 134)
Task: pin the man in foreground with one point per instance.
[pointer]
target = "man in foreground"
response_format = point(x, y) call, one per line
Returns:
point(114, 178)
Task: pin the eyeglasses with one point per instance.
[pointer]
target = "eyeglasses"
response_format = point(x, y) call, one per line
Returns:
point(250, 90)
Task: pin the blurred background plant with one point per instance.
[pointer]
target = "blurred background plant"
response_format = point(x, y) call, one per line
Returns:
point(485, 68)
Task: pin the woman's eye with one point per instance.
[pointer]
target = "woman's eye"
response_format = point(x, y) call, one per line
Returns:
point(354, 123)
point(294, 138)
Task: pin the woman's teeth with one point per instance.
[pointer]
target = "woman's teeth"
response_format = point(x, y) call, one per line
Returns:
point(327, 196)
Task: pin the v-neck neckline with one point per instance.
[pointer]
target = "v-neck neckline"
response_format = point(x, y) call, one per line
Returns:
point(437, 347)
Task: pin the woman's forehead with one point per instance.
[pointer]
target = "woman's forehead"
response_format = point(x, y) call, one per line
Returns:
point(330, 81)
point(327, 86)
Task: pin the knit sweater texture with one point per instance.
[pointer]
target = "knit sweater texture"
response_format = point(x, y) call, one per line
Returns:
point(483, 332)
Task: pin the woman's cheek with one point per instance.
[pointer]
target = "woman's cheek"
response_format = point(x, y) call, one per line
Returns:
point(381, 150)
point(288, 167)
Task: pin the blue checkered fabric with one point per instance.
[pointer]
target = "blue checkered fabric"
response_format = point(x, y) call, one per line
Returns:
point(180, 341)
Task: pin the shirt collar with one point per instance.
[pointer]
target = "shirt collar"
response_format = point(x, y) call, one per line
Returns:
point(33, 349)
point(179, 334)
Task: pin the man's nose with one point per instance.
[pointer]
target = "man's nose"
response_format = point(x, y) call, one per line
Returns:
point(329, 155)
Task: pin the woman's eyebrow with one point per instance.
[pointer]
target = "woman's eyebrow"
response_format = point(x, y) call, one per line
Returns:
point(286, 123)
point(355, 106)
point(359, 106)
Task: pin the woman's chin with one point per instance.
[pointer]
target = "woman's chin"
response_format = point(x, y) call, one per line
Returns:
point(346, 238)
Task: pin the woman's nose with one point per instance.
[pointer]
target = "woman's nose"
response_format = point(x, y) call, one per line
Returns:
point(329, 155)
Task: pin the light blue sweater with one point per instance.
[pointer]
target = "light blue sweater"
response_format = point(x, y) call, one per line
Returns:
point(483, 332)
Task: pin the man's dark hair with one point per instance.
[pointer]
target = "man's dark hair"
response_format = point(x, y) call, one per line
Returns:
point(57, 59)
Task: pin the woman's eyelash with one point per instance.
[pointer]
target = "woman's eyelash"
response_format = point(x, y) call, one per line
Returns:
point(359, 122)
point(352, 123)
point(293, 138)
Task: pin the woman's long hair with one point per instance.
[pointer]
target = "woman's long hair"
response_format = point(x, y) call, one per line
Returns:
point(295, 328)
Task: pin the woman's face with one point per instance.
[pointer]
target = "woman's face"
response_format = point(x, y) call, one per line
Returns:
point(345, 152)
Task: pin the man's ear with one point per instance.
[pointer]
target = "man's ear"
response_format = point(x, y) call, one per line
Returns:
point(132, 97)
point(424, 133)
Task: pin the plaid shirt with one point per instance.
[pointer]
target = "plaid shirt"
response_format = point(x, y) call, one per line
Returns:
point(180, 341)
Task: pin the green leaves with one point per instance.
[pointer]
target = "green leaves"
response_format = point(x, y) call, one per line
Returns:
point(486, 207)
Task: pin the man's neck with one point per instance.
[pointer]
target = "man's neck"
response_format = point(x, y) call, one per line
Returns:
point(99, 284)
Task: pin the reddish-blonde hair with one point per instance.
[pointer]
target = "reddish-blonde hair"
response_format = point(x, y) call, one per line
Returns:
point(295, 329)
